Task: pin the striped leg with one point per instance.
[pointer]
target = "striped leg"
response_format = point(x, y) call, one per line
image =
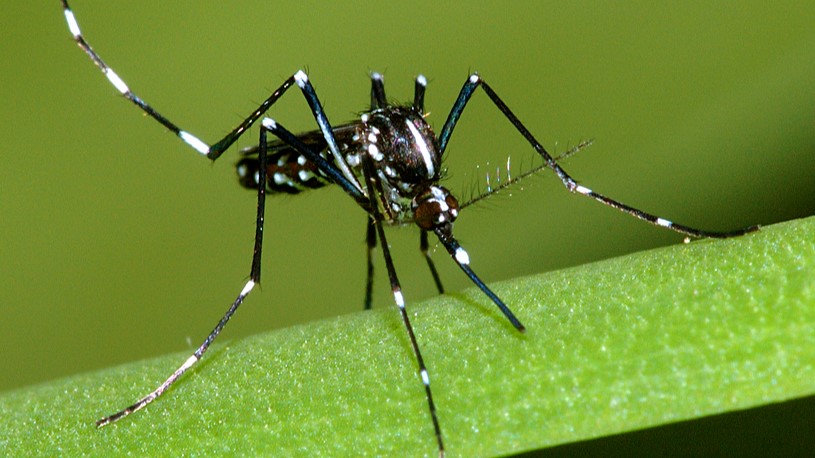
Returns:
point(475, 81)
point(423, 246)
point(375, 187)
point(211, 151)
point(215, 150)
point(254, 278)
point(370, 240)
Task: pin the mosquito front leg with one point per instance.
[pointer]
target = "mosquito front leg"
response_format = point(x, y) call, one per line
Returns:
point(375, 187)
point(475, 81)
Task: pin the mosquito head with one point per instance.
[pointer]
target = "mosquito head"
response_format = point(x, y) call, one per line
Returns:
point(435, 209)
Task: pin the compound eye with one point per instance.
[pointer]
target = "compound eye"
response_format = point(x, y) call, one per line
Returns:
point(434, 208)
point(428, 214)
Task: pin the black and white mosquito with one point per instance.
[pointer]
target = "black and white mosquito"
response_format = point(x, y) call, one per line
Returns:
point(388, 161)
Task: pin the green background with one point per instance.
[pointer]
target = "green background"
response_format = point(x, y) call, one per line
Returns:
point(118, 242)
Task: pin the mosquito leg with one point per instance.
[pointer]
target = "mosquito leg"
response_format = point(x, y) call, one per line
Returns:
point(423, 246)
point(370, 239)
point(418, 93)
point(212, 152)
point(254, 278)
point(215, 150)
point(330, 170)
point(375, 187)
point(396, 289)
point(378, 99)
point(474, 81)
point(462, 259)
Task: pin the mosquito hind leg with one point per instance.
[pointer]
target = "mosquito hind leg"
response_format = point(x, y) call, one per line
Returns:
point(254, 279)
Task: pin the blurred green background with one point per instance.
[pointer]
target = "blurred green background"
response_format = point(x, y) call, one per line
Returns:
point(119, 243)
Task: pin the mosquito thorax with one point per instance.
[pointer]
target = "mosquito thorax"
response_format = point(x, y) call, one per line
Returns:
point(402, 145)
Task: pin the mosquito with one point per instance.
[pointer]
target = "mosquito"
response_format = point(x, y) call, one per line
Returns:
point(389, 161)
